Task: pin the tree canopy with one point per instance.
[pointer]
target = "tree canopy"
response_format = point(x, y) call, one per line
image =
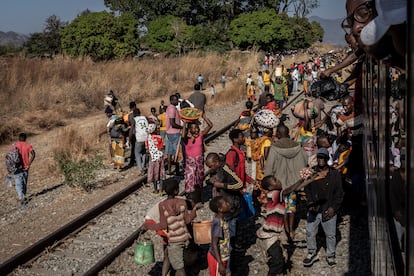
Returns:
point(48, 41)
point(101, 35)
point(263, 29)
point(195, 12)
point(180, 26)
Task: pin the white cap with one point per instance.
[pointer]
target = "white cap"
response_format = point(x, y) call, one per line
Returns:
point(390, 12)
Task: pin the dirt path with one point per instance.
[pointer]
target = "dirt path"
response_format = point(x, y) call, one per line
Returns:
point(52, 206)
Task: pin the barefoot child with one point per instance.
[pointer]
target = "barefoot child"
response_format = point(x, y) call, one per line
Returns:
point(271, 231)
point(154, 144)
point(174, 216)
point(218, 257)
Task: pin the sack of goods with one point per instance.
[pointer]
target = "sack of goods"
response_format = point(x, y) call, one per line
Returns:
point(108, 100)
point(305, 108)
point(329, 89)
point(266, 118)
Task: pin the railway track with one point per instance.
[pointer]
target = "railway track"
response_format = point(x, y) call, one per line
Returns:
point(92, 241)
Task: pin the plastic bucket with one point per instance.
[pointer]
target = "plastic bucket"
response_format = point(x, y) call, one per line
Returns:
point(144, 253)
point(202, 232)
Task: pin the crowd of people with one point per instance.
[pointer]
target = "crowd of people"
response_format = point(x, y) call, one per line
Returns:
point(158, 135)
point(318, 162)
point(269, 168)
point(284, 168)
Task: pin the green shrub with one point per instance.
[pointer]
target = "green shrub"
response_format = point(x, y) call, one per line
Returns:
point(78, 173)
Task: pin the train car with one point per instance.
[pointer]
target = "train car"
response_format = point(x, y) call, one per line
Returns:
point(390, 197)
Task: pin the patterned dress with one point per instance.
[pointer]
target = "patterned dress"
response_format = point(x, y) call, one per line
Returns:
point(194, 164)
point(155, 144)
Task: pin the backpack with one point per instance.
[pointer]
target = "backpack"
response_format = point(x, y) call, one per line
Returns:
point(223, 157)
point(13, 160)
point(257, 146)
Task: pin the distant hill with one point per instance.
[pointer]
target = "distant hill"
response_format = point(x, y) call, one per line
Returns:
point(12, 38)
point(333, 31)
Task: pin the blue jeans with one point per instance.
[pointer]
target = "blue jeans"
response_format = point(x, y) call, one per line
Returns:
point(139, 152)
point(329, 227)
point(172, 143)
point(20, 180)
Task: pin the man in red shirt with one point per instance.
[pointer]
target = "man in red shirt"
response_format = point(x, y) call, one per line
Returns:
point(27, 154)
point(235, 158)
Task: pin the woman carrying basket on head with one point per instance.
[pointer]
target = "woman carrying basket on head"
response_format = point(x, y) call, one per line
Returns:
point(193, 140)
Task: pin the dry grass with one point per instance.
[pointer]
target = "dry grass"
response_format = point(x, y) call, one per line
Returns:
point(77, 144)
point(40, 94)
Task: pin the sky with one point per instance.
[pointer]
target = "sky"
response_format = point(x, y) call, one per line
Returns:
point(29, 16)
point(330, 9)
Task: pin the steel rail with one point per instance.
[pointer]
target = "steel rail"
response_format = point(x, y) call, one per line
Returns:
point(35, 249)
point(109, 258)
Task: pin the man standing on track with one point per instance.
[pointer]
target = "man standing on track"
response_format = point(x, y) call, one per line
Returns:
point(140, 123)
point(324, 198)
point(173, 133)
point(198, 99)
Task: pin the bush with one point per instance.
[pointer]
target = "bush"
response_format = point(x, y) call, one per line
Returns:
point(78, 173)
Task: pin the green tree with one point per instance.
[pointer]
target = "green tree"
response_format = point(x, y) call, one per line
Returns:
point(302, 8)
point(101, 35)
point(317, 30)
point(9, 49)
point(279, 6)
point(263, 29)
point(36, 44)
point(194, 12)
point(53, 27)
point(151, 10)
point(213, 19)
point(304, 32)
point(49, 41)
point(166, 34)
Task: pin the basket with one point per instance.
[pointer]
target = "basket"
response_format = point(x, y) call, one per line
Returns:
point(190, 114)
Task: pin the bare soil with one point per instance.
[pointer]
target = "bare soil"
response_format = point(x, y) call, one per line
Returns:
point(52, 205)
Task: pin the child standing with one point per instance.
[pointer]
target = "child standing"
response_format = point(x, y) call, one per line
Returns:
point(213, 91)
point(245, 118)
point(251, 91)
point(154, 144)
point(174, 216)
point(270, 102)
point(193, 140)
point(341, 163)
point(218, 256)
point(271, 232)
